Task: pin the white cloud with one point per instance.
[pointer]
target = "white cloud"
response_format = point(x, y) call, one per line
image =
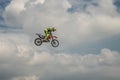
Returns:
point(102, 20)
point(19, 59)
point(26, 78)
point(38, 1)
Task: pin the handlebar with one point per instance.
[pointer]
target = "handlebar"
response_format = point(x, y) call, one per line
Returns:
point(38, 34)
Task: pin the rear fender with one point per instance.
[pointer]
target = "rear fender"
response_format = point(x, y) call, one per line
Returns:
point(55, 37)
point(50, 37)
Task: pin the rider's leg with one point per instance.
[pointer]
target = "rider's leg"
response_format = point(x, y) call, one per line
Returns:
point(45, 31)
point(46, 35)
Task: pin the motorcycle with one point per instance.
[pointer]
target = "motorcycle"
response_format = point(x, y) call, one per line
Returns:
point(51, 39)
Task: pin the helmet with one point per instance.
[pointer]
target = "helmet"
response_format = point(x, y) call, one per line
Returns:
point(53, 29)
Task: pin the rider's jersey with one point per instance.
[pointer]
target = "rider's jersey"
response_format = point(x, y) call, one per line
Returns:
point(48, 30)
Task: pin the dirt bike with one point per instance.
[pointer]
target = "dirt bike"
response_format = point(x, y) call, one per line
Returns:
point(51, 39)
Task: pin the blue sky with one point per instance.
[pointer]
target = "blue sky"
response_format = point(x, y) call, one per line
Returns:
point(117, 3)
point(88, 32)
point(3, 4)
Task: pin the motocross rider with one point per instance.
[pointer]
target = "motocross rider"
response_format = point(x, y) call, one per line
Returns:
point(47, 32)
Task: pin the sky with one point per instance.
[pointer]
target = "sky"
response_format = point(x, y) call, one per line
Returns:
point(88, 32)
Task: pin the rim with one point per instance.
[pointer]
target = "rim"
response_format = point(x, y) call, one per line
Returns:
point(38, 42)
point(55, 43)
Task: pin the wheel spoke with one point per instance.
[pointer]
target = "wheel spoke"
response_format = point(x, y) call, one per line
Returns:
point(54, 43)
point(38, 41)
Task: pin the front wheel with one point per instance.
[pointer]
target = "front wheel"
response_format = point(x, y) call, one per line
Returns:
point(38, 41)
point(55, 43)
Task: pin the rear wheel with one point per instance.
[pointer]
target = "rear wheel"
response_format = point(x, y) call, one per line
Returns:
point(55, 43)
point(38, 41)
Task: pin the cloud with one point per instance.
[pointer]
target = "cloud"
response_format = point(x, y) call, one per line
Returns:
point(20, 59)
point(92, 23)
point(34, 16)
point(26, 78)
